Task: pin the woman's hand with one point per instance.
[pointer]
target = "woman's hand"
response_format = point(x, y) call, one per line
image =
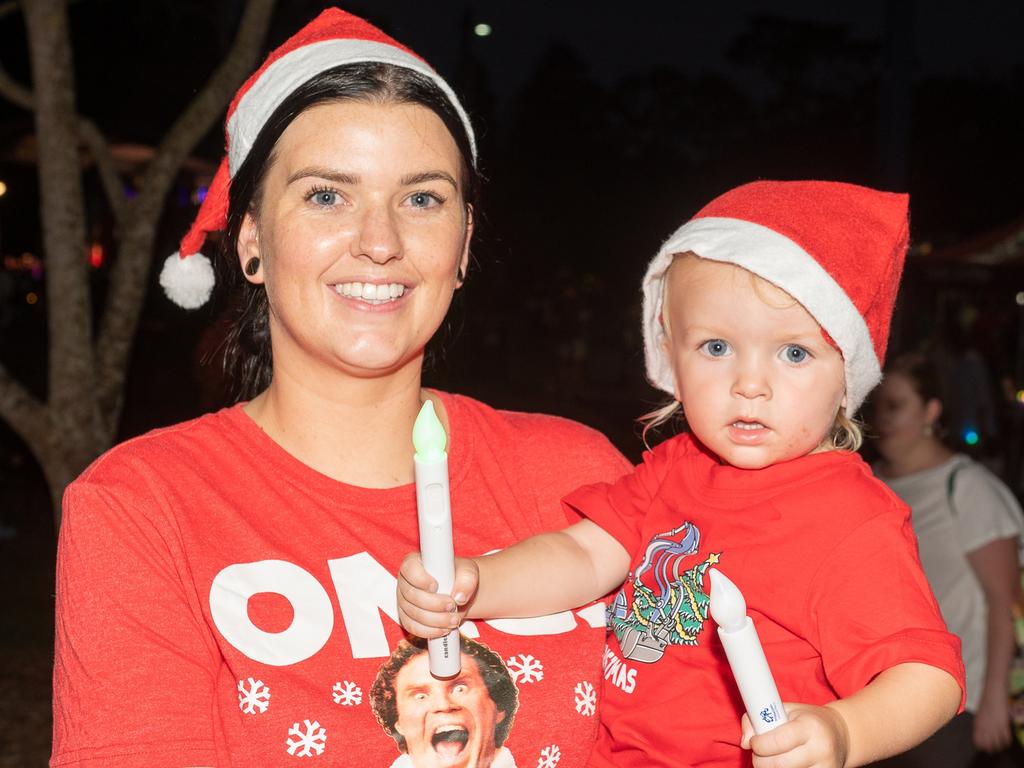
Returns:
point(814, 737)
point(992, 724)
point(421, 610)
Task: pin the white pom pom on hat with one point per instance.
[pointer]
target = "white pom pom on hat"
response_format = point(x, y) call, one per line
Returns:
point(187, 282)
point(332, 39)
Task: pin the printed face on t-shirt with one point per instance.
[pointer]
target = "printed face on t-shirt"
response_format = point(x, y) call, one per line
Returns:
point(446, 723)
point(758, 382)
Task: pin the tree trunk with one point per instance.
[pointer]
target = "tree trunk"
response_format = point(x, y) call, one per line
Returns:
point(71, 408)
point(85, 397)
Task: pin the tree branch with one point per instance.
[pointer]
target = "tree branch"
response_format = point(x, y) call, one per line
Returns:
point(15, 92)
point(130, 271)
point(90, 135)
point(109, 177)
point(26, 415)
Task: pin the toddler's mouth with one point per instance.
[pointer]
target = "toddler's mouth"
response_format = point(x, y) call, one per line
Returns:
point(747, 425)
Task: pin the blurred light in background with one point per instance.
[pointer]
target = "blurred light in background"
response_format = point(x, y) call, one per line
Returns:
point(482, 30)
point(971, 437)
point(96, 255)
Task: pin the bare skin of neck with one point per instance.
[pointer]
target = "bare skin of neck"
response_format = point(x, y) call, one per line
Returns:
point(925, 453)
point(352, 429)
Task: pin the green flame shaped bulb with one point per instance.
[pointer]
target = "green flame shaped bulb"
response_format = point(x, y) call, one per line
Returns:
point(428, 437)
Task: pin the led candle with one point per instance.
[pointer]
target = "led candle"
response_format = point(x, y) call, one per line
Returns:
point(433, 502)
point(745, 654)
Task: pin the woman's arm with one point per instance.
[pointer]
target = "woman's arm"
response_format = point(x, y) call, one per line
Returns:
point(897, 710)
point(996, 566)
point(543, 574)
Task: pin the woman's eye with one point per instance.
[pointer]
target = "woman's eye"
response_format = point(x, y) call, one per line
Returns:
point(324, 197)
point(794, 353)
point(460, 688)
point(424, 200)
point(715, 347)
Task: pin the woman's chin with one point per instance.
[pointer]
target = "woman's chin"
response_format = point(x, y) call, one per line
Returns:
point(375, 363)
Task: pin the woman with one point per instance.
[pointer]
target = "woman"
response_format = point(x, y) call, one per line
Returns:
point(968, 526)
point(225, 586)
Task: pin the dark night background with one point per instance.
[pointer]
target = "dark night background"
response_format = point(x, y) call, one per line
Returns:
point(602, 128)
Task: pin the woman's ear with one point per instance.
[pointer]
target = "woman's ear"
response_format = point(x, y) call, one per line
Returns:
point(460, 274)
point(932, 411)
point(248, 249)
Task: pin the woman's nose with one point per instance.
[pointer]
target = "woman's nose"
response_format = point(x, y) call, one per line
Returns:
point(379, 238)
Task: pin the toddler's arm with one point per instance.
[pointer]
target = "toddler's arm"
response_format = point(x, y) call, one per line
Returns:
point(897, 710)
point(543, 574)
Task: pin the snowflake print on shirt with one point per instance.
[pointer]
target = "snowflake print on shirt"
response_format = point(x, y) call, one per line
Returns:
point(524, 668)
point(252, 697)
point(348, 695)
point(586, 698)
point(549, 757)
point(314, 738)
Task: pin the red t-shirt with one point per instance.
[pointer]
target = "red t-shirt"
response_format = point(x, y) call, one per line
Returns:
point(220, 603)
point(824, 555)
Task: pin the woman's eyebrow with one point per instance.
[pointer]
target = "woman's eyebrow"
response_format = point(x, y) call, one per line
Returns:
point(419, 178)
point(324, 173)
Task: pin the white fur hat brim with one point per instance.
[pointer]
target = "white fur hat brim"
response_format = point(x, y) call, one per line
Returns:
point(781, 262)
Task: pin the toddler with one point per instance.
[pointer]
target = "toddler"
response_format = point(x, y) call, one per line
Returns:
point(766, 317)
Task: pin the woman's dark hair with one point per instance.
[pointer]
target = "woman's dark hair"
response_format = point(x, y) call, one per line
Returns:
point(248, 361)
point(921, 371)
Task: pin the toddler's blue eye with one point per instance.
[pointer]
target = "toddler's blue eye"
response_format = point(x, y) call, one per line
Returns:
point(716, 347)
point(794, 353)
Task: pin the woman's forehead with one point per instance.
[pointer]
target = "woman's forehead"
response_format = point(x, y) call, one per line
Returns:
point(367, 133)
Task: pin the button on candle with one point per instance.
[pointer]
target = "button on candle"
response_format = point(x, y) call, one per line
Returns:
point(433, 503)
point(745, 654)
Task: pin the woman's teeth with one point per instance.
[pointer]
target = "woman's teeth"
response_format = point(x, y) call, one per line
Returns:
point(371, 292)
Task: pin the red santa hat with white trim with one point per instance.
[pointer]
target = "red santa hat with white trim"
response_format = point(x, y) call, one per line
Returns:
point(836, 248)
point(332, 39)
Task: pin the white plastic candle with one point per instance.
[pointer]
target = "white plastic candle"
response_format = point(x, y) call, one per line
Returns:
point(433, 503)
point(745, 654)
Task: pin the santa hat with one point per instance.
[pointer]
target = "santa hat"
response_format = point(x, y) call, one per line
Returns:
point(332, 39)
point(836, 248)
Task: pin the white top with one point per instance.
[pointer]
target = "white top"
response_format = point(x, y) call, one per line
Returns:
point(986, 510)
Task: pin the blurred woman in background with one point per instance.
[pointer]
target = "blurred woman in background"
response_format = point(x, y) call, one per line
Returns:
point(968, 525)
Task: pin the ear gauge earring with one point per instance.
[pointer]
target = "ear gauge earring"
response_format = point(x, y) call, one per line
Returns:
point(252, 266)
point(928, 430)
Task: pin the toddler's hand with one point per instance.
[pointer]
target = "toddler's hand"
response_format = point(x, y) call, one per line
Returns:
point(421, 610)
point(814, 737)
